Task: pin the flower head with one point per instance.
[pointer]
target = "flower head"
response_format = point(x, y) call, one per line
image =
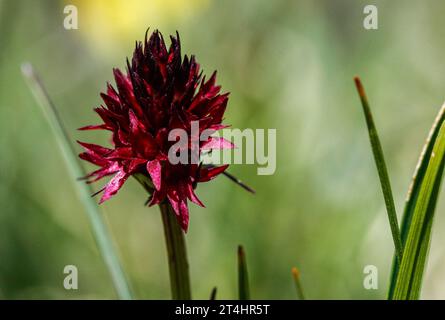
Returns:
point(160, 91)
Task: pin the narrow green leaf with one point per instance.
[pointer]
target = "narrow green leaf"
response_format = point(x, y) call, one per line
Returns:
point(409, 276)
point(414, 189)
point(298, 286)
point(243, 278)
point(99, 230)
point(381, 169)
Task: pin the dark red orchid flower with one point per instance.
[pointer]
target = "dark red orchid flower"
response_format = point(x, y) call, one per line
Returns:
point(161, 91)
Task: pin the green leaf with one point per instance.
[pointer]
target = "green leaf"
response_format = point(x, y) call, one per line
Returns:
point(243, 278)
point(406, 278)
point(414, 189)
point(381, 169)
point(99, 230)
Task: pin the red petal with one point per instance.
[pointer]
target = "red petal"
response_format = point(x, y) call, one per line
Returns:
point(121, 153)
point(192, 196)
point(90, 147)
point(154, 169)
point(157, 197)
point(114, 185)
point(112, 101)
point(96, 127)
point(135, 165)
point(140, 137)
point(182, 212)
point(94, 158)
point(217, 143)
point(123, 84)
point(208, 174)
point(103, 172)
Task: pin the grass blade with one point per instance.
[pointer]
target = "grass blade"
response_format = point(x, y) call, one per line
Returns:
point(243, 278)
point(413, 191)
point(213, 293)
point(298, 286)
point(99, 230)
point(409, 276)
point(382, 171)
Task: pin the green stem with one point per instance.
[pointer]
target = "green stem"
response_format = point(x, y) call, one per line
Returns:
point(177, 254)
point(175, 243)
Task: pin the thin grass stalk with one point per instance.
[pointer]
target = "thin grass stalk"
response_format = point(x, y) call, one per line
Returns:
point(97, 224)
point(243, 276)
point(381, 169)
point(213, 293)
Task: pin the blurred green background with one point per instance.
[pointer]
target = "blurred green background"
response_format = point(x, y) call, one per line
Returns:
point(288, 65)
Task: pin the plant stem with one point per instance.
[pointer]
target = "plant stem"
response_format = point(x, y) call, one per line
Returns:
point(175, 243)
point(177, 254)
point(382, 171)
point(97, 224)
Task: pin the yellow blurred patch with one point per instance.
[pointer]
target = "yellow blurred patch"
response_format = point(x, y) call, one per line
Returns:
point(109, 24)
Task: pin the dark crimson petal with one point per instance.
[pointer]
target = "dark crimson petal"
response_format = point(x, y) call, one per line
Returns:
point(96, 127)
point(157, 197)
point(111, 118)
point(142, 141)
point(112, 102)
point(217, 143)
point(91, 147)
point(103, 172)
point(120, 153)
point(114, 185)
point(217, 111)
point(162, 139)
point(112, 92)
point(182, 212)
point(135, 164)
point(126, 94)
point(123, 85)
point(94, 158)
point(207, 91)
point(192, 196)
point(120, 138)
point(154, 170)
point(207, 174)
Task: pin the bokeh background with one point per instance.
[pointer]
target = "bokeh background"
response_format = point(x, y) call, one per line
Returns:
point(289, 66)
